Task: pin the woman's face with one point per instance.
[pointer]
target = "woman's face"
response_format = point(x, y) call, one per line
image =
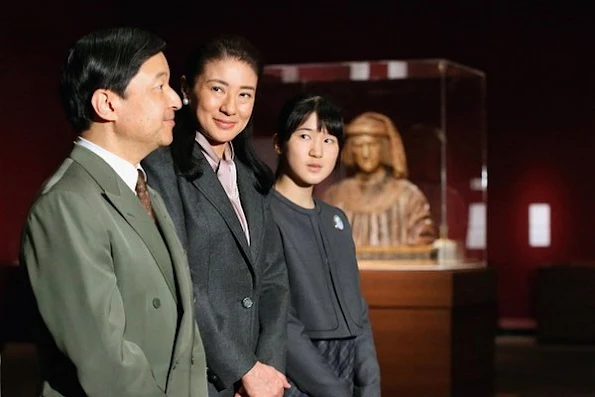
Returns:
point(310, 154)
point(223, 99)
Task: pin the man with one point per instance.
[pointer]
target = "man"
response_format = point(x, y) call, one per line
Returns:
point(109, 275)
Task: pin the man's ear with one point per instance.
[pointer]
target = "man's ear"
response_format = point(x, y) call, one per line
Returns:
point(276, 145)
point(104, 102)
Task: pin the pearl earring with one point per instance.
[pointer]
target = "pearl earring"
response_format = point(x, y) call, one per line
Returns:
point(185, 101)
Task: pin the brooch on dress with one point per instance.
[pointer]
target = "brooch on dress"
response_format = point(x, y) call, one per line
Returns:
point(338, 222)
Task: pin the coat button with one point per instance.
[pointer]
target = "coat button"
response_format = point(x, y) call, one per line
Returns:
point(156, 303)
point(247, 302)
point(211, 377)
point(192, 360)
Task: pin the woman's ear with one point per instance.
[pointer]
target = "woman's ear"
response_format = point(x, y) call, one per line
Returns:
point(184, 87)
point(276, 144)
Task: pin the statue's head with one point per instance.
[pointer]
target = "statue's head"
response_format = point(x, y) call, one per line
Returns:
point(372, 142)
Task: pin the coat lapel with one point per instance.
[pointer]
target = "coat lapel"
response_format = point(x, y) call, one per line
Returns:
point(180, 267)
point(129, 207)
point(208, 184)
point(251, 204)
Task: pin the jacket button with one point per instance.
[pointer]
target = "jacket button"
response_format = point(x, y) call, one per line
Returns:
point(156, 303)
point(192, 360)
point(247, 302)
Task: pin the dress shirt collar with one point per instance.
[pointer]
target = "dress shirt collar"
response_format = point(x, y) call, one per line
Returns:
point(212, 158)
point(125, 170)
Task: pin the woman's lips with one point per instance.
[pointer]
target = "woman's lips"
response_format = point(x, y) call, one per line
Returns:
point(224, 125)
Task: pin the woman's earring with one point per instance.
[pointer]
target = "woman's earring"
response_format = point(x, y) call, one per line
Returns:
point(185, 101)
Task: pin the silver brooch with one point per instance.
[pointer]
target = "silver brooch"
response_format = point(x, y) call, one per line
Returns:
point(338, 222)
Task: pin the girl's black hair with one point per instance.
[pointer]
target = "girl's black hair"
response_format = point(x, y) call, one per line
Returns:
point(295, 111)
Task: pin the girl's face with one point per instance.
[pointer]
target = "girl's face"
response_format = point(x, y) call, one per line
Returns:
point(223, 99)
point(309, 155)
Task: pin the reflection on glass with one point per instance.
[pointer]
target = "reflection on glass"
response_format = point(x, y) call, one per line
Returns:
point(435, 110)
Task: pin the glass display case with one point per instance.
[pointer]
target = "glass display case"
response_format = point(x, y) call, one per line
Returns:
point(433, 211)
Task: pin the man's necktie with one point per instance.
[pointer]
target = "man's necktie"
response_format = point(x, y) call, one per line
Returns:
point(143, 194)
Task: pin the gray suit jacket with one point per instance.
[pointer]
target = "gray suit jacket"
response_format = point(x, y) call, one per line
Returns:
point(112, 289)
point(241, 289)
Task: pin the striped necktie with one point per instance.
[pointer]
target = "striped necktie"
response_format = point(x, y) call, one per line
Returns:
point(143, 194)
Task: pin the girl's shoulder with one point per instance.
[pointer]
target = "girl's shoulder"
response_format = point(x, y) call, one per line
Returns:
point(333, 215)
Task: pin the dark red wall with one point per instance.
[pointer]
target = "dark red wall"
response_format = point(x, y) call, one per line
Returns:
point(540, 97)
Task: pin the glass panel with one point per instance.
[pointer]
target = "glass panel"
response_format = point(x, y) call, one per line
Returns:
point(437, 108)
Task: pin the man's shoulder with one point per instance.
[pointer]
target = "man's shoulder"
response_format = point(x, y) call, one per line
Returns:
point(68, 182)
point(70, 176)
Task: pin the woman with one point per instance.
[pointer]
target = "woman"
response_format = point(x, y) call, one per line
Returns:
point(215, 187)
point(330, 345)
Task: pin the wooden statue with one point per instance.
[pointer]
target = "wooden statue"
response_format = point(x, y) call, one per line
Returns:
point(383, 206)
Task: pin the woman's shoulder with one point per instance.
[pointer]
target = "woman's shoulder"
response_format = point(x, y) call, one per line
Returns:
point(161, 156)
point(159, 165)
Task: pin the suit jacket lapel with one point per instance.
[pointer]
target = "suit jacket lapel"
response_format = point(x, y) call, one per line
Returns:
point(128, 205)
point(177, 254)
point(180, 267)
point(251, 203)
point(211, 188)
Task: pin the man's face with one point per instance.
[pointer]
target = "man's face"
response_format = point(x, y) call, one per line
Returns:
point(146, 114)
point(366, 151)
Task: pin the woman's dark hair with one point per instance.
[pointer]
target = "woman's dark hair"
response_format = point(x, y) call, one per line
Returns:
point(106, 59)
point(295, 112)
point(218, 48)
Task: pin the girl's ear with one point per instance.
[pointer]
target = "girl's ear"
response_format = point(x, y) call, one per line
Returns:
point(276, 145)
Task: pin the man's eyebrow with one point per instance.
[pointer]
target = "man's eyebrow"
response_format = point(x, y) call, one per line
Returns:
point(161, 74)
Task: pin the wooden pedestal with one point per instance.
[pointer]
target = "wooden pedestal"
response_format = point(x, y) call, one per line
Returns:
point(434, 328)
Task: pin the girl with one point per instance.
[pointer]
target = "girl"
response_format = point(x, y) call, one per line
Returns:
point(330, 345)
